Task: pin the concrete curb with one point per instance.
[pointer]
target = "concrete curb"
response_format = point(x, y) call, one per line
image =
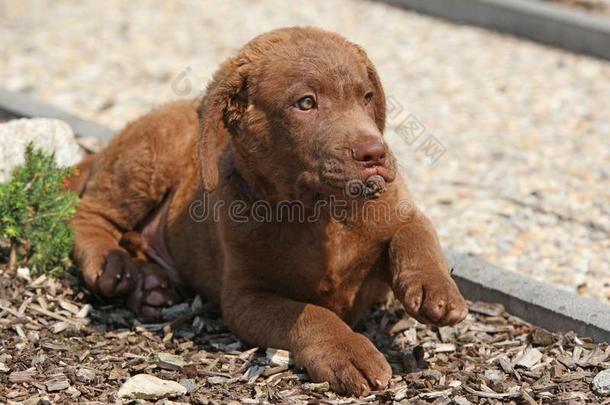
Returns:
point(540, 303)
point(534, 301)
point(545, 22)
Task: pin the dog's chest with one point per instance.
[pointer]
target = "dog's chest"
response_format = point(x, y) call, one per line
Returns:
point(349, 255)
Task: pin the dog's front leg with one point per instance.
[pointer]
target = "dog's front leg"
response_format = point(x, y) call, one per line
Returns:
point(320, 341)
point(420, 277)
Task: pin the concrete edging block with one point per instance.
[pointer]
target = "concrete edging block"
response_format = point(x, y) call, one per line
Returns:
point(541, 21)
point(540, 303)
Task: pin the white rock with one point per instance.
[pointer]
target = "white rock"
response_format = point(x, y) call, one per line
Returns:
point(279, 357)
point(85, 374)
point(170, 361)
point(529, 358)
point(48, 134)
point(23, 272)
point(146, 386)
point(601, 382)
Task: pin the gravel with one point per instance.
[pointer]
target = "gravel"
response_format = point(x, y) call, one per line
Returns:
point(520, 175)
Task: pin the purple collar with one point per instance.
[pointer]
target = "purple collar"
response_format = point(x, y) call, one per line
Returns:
point(243, 184)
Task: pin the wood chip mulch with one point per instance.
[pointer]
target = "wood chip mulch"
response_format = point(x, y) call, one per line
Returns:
point(58, 344)
point(601, 7)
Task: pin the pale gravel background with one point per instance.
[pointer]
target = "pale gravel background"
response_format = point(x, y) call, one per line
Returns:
point(524, 181)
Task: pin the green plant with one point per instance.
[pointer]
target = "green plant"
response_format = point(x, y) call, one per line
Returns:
point(35, 208)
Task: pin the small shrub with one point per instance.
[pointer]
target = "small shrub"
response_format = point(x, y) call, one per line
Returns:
point(35, 208)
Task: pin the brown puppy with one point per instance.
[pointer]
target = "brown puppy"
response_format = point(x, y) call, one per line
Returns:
point(276, 198)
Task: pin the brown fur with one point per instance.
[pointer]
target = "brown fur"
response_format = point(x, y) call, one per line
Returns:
point(295, 285)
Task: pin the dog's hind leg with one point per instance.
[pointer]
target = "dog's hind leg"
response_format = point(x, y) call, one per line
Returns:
point(130, 182)
point(128, 187)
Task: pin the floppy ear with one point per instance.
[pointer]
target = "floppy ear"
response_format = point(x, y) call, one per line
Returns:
point(220, 112)
point(379, 102)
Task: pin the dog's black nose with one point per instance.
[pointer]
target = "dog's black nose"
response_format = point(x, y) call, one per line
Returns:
point(371, 153)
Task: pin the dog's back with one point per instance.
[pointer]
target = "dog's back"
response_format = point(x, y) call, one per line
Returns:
point(167, 133)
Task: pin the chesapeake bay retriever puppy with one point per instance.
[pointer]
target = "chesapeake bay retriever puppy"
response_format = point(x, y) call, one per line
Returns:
point(276, 197)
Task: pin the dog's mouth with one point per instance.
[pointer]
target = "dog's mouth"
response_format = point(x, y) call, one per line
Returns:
point(374, 186)
point(352, 181)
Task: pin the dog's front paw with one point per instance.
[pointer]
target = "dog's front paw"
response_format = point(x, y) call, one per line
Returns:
point(351, 365)
point(145, 285)
point(432, 299)
point(117, 276)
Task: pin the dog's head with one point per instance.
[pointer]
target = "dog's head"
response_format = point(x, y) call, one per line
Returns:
point(305, 112)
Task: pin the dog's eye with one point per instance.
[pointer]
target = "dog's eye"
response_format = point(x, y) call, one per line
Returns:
point(367, 97)
point(306, 103)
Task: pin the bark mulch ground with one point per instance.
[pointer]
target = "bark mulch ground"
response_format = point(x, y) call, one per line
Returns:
point(59, 344)
point(595, 6)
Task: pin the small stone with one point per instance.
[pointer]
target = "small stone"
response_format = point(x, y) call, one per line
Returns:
point(459, 400)
point(58, 383)
point(85, 374)
point(37, 400)
point(24, 273)
point(506, 365)
point(279, 357)
point(4, 368)
point(70, 307)
point(84, 311)
point(529, 358)
point(189, 384)
point(59, 327)
point(317, 387)
point(455, 383)
point(197, 304)
point(198, 324)
point(175, 311)
point(21, 376)
point(73, 392)
point(447, 333)
point(601, 382)
point(146, 386)
point(401, 394)
point(252, 374)
point(33, 336)
point(217, 380)
point(170, 361)
point(444, 348)
point(495, 375)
